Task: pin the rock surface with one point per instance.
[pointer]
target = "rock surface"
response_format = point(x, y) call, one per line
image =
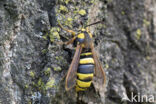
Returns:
point(33, 66)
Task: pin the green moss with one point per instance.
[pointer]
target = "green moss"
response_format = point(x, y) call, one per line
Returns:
point(106, 66)
point(32, 74)
point(45, 36)
point(104, 26)
point(29, 102)
point(40, 85)
point(82, 12)
point(92, 1)
point(63, 8)
point(83, 3)
point(59, 58)
point(33, 83)
point(54, 34)
point(69, 19)
point(44, 51)
point(138, 65)
point(123, 13)
point(43, 87)
point(67, 1)
point(39, 82)
point(75, 18)
point(114, 60)
point(68, 22)
point(76, 10)
point(47, 71)
point(50, 84)
point(26, 86)
point(148, 57)
point(147, 23)
point(57, 68)
point(138, 34)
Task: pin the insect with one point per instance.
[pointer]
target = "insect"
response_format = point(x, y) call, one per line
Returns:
point(85, 64)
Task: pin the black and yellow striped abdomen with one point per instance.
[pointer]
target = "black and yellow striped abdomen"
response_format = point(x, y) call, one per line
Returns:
point(85, 71)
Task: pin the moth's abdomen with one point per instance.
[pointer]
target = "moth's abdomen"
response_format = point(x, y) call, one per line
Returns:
point(85, 71)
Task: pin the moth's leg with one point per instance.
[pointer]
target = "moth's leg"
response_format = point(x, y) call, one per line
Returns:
point(70, 31)
point(70, 41)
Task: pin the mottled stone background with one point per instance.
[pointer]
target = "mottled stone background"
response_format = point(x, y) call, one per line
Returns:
point(33, 65)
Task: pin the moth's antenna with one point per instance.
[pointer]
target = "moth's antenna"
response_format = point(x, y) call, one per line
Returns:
point(81, 23)
point(101, 21)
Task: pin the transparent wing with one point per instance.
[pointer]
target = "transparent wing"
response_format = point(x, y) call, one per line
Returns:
point(71, 75)
point(99, 72)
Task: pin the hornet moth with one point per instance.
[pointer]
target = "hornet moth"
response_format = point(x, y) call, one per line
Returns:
point(85, 64)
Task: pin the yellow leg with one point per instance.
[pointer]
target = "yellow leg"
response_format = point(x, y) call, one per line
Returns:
point(68, 42)
point(70, 31)
point(87, 29)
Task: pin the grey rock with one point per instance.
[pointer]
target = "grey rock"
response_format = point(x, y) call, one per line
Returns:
point(33, 66)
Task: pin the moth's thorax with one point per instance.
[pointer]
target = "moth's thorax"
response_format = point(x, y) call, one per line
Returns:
point(84, 38)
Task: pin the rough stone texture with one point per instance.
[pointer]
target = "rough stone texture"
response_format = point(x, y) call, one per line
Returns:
point(33, 66)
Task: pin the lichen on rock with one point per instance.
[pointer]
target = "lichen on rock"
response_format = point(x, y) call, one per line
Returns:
point(33, 65)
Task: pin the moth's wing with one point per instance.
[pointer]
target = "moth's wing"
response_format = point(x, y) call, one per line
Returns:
point(71, 75)
point(99, 71)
